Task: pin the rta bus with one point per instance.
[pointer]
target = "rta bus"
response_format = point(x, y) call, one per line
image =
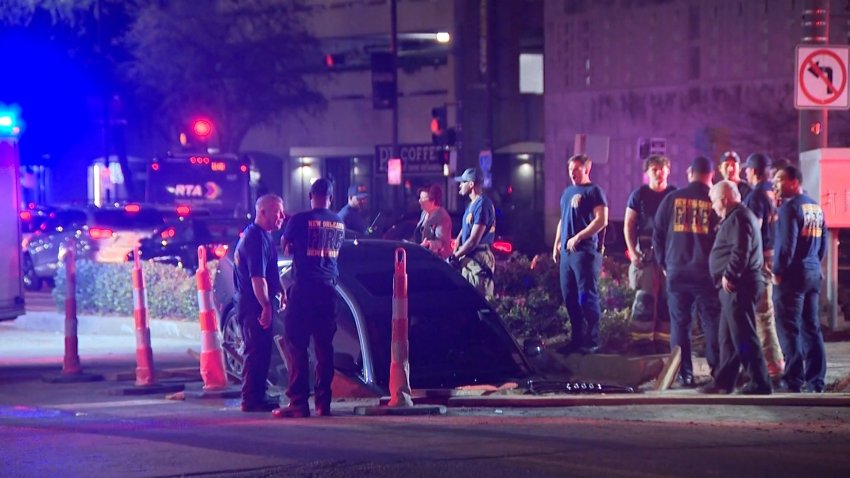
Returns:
point(218, 183)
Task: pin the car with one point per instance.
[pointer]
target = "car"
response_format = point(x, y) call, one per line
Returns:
point(456, 337)
point(100, 234)
point(176, 243)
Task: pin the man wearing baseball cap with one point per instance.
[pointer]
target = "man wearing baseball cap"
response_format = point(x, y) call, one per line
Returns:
point(477, 233)
point(761, 201)
point(685, 227)
point(352, 213)
point(730, 169)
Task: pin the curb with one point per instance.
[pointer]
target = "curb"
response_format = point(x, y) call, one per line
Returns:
point(655, 398)
point(108, 325)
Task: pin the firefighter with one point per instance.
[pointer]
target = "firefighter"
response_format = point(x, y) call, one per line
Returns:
point(584, 213)
point(650, 320)
point(799, 247)
point(685, 226)
point(761, 200)
point(730, 169)
point(478, 231)
point(352, 214)
point(314, 238)
point(257, 283)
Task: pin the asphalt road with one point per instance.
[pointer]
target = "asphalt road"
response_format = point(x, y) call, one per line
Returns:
point(83, 430)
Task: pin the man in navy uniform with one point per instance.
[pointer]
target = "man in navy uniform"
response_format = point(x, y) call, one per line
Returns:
point(736, 264)
point(650, 320)
point(257, 282)
point(685, 226)
point(477, 233)
point(352, 213)
point(314, 238)
point(584, 212)
point(762, 202)
point(799, 247)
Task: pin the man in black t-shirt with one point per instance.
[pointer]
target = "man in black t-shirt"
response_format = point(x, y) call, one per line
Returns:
point(314, 238)
point(650, 319)
point(256, 282)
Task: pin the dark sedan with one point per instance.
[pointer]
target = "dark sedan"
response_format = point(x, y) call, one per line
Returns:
point(177, 243)
point(456, 338)
point(99, 234)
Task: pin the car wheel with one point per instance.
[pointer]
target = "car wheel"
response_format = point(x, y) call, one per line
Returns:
point(233, 345)
point(31, 281)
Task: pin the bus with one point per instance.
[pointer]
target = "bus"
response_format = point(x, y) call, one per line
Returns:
point(218, 183)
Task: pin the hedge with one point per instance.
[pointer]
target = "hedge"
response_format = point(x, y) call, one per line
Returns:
point(528, 298)
point(107, 289)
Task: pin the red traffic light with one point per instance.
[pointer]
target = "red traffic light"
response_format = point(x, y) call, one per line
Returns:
point(202, 128)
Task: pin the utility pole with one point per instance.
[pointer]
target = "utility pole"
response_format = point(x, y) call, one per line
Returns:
point(397, 195)
point(813, 123)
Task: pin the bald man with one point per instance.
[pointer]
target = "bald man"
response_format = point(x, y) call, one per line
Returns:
point(257, 282)
point(735, 263)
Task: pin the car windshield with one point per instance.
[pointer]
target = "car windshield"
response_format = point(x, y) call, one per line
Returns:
point(120, 219)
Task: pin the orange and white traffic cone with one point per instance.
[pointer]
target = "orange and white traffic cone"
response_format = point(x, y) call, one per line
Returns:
point(72, 371)
point(400, 394)
point(144, 352)
point(212, 356)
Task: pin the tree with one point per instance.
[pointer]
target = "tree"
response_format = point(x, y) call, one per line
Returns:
point(239, 62)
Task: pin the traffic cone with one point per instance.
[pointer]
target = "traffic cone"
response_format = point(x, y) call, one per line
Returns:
point(71, 369)
point(212, 356)
point(145, 372)
point(400, 394)
point(401, 400)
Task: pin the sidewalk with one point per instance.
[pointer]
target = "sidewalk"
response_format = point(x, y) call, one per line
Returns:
point(39, 337)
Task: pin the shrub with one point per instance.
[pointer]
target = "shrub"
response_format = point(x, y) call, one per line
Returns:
point(107, 289)
point(529, 300)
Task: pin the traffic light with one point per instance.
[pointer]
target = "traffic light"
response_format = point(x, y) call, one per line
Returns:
point(197, 135)
point(441, 134)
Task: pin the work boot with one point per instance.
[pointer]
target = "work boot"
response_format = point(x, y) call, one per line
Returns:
point(754, 389)
point(291, 411)
point(713, 389)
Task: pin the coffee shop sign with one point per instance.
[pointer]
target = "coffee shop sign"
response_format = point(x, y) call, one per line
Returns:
point(415, 158)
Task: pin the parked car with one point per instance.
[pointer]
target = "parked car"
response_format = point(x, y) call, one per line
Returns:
point(99, 234)
point(176, 243)
point(456, 337)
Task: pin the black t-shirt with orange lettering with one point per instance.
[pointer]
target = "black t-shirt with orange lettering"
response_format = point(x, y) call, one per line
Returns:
point(316, 237)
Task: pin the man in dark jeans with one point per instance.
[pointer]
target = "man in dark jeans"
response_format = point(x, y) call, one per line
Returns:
point(684, 233)
point(736, 263)
point(314, 238)
point(257, 281)
point(584, 212)
point(799, 248)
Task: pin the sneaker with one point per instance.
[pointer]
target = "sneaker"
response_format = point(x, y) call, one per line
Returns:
point(753, 389)
point(785, 387)
point(713, 389)
point(686, 381)
point(590, 350)
point(291, 411)
point(259, 407)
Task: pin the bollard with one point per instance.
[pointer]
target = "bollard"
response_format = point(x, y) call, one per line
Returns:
point(212, 357)
point(72, 371)
point(71, 361)
point(400, 394)
point(144, 353)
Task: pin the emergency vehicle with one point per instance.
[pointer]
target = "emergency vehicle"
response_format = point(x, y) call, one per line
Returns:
point(11, 280)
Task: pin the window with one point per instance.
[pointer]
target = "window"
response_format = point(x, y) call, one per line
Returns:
point(531, 73)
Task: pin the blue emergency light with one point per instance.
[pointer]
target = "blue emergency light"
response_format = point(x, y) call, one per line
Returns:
point(11, 125)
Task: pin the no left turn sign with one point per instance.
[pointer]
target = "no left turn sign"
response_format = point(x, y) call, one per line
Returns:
point(821, 77)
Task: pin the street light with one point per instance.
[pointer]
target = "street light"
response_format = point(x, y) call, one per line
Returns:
point(443, 37)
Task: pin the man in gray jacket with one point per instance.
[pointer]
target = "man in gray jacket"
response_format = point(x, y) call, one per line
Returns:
point(735, 263)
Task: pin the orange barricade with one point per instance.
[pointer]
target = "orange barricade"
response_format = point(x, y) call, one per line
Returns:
point(212, 356)
point(71, 361)
point(400, 394)
point(144, 353)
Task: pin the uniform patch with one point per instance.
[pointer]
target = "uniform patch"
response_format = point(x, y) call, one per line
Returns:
point(691, 216)
point(812, 220)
